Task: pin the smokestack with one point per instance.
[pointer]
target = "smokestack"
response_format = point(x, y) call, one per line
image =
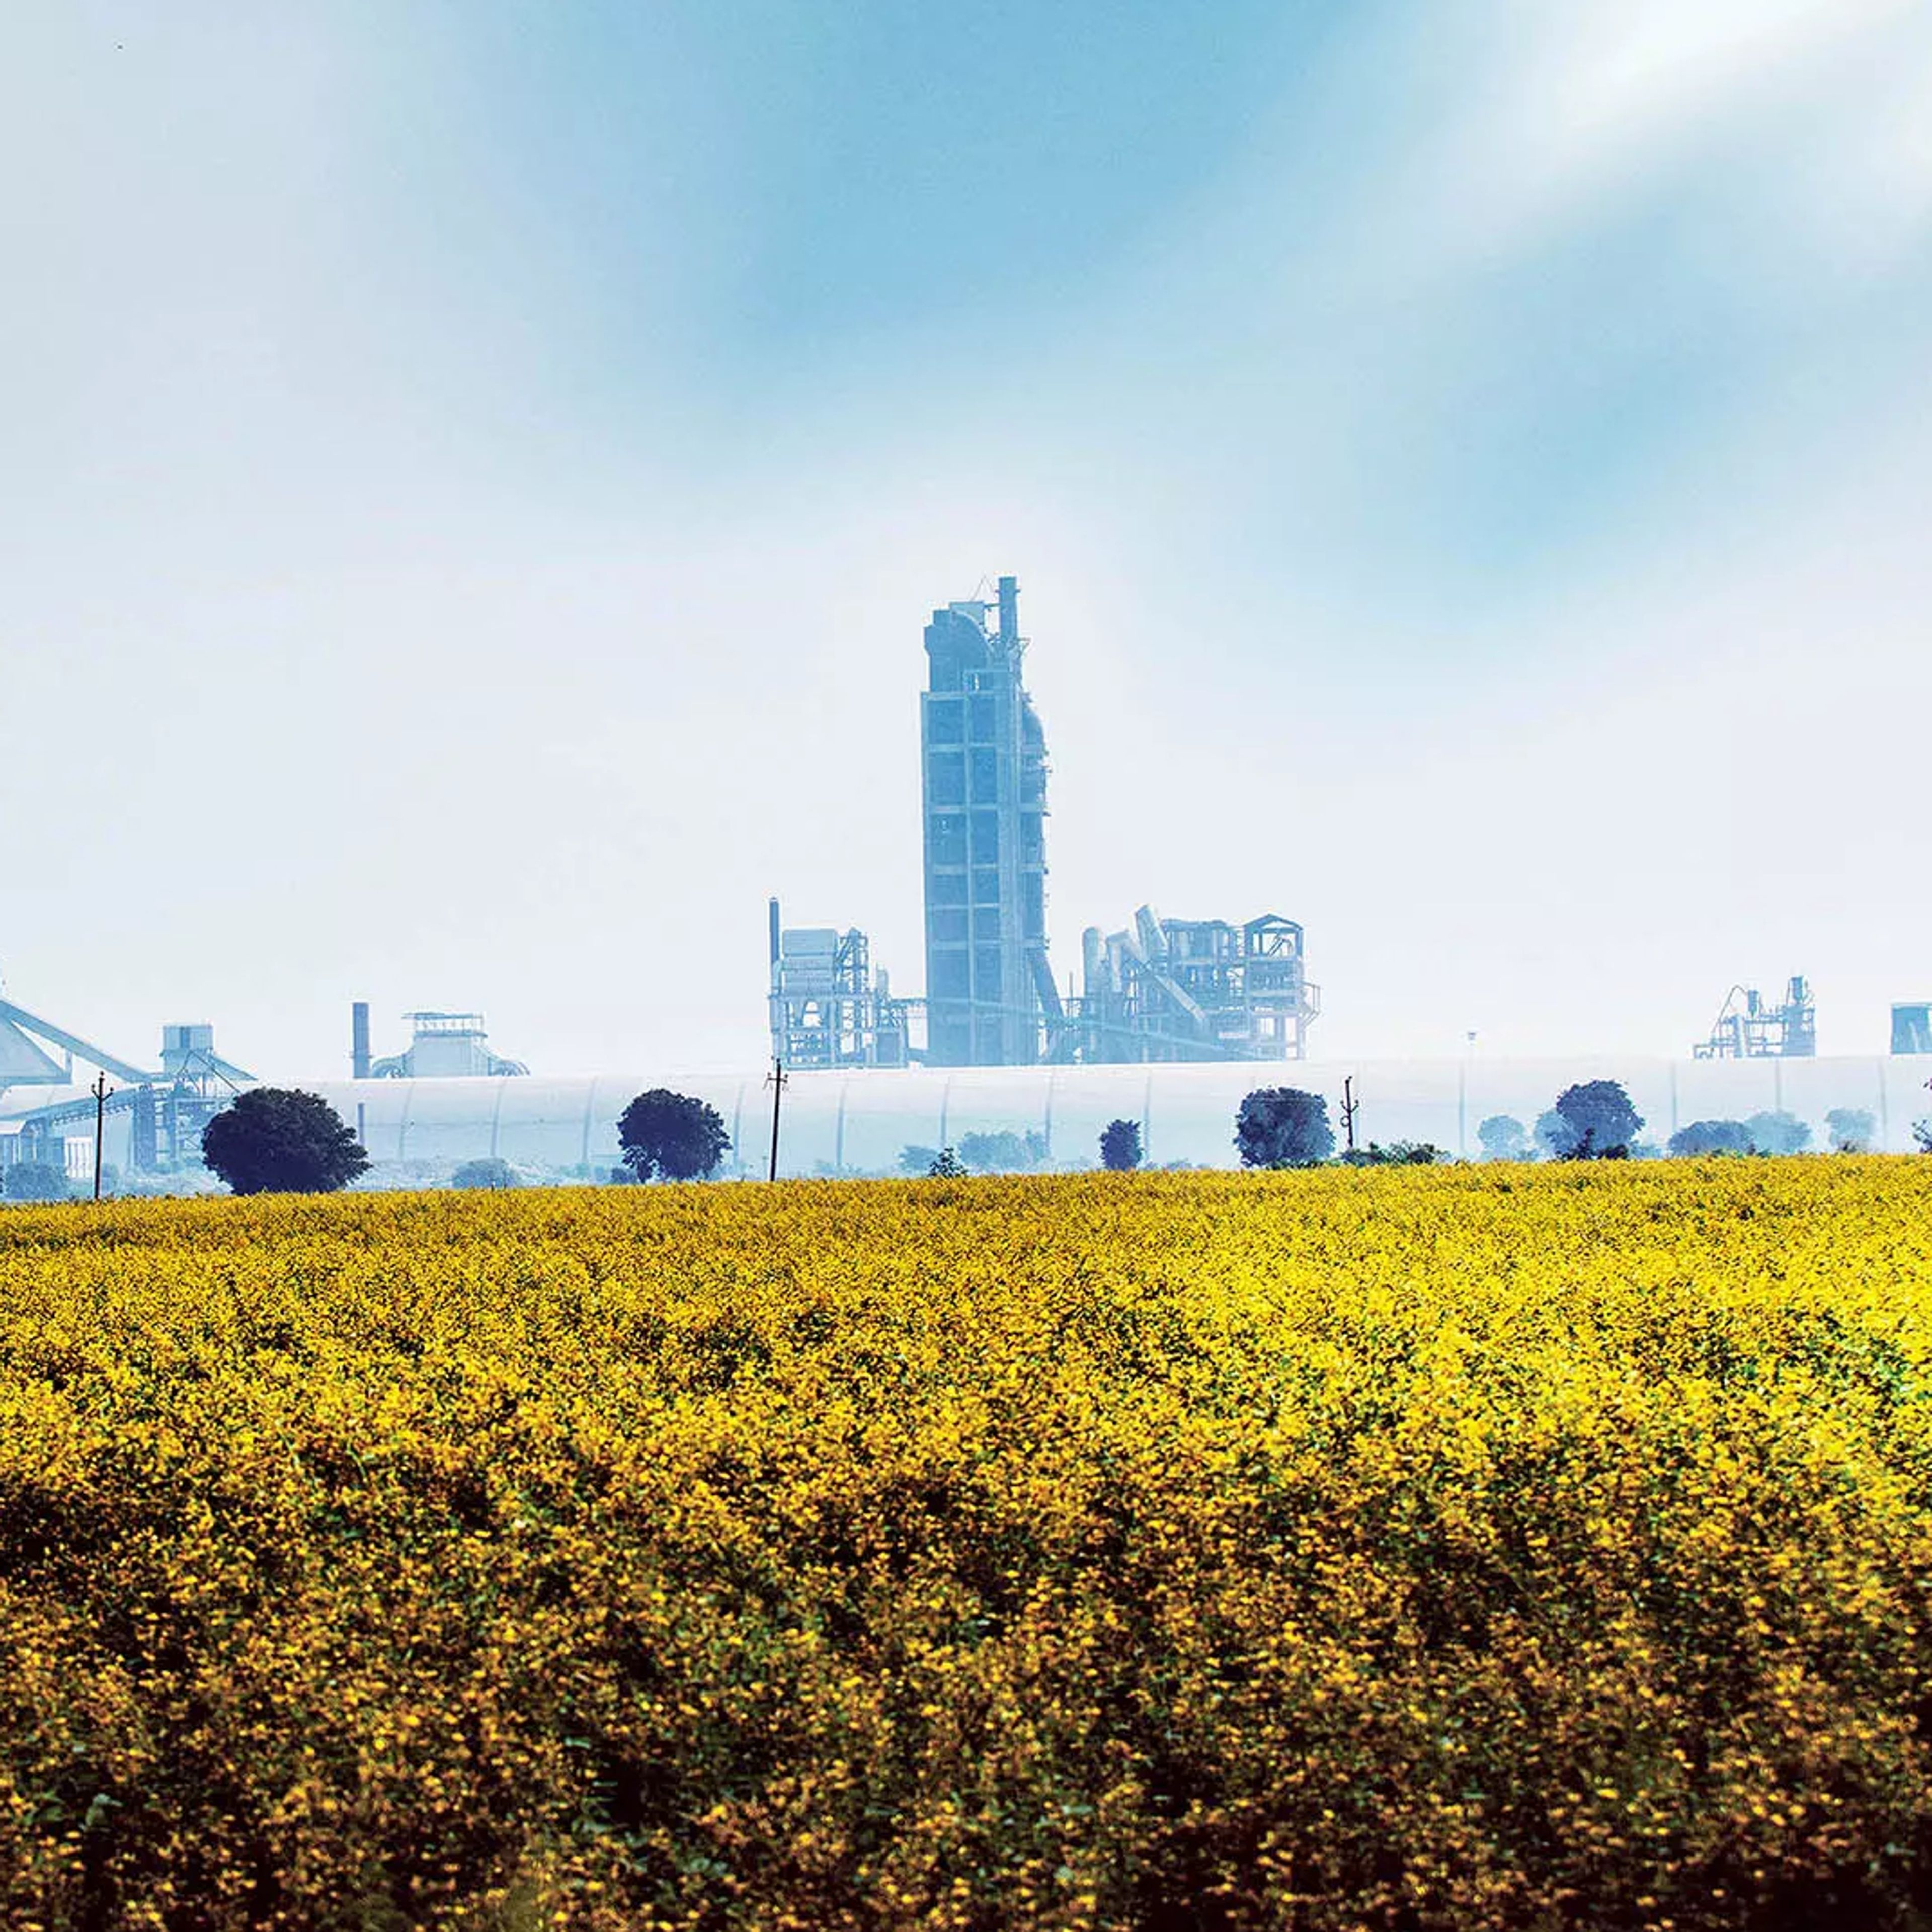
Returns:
point(775, 934)
point(1010, 611)
point(359, 1039)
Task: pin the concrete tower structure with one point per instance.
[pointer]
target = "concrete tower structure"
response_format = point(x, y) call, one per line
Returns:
point(990, 996)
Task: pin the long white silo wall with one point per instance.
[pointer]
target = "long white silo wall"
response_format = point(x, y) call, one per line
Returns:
point(857, 1123)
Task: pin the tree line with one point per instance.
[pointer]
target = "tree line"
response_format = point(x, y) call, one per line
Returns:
point(282, 1140)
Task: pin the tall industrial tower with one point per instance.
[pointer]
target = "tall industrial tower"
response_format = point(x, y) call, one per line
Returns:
point(990, 995)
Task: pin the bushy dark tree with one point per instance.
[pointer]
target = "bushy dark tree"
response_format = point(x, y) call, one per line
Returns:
point(671, 1136)
point(1921, 1136)
point(36, 1180)
point(1703, 1137)
point(1283, 1127)
point(946, 1166)
point(1778, 1132)
point(1851, 1129)
point(1598, 1121)
point(1503, 1137)
point(277, 1140)
point(1120, 1146)
point(489, 1173)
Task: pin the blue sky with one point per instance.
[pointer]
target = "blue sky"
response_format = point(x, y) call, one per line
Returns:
point(476, 476)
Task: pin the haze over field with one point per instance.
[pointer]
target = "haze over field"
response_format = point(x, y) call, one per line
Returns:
point(475, 477)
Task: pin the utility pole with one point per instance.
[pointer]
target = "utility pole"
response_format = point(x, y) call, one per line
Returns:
point(1349, 1105)
point(101, 1091)
point(775, 1080)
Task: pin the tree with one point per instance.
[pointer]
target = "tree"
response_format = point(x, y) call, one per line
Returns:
point(36, 1180)
point(277, 1140)
point(916, 1160)
point(1283, 1127)
point(671, 1136)
point(1921, 1136)
point(1397, 1153)
point(1703, 1137)
point(1120, 1146)
point(1598, 1122)
point(1503, 1138)
point(489, 1173)
point(1851, 1129)
point(946, 1166)
point(1778, 1132)
point(1410, 1153)
point(1003, 1152)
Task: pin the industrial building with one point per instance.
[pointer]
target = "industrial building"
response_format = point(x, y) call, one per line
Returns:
point(829, 1006)
point(1748, 1027)
point(155, 1114)
point(1159, 989)
point(859, 1120)
point(152, 1117)
point(1192, 989)
point(990, 996)
point(450, 1046)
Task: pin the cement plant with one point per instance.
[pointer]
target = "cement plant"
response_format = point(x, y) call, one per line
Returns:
point(1171, 1022)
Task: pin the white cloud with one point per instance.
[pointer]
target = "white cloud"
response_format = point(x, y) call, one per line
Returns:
point(1597, 100)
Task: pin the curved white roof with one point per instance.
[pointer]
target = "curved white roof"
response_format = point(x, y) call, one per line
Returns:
point(857, 1123)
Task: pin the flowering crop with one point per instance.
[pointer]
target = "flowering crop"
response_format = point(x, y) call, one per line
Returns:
point(1422, 1548)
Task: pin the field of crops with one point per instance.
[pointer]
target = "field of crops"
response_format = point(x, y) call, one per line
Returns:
point(1427, 1548)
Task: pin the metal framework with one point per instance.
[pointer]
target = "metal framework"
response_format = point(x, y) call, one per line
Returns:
point(1747, 1027)
point(24, 1061)
point(169, 1107)
point(1192, 989)
point(828, 1007)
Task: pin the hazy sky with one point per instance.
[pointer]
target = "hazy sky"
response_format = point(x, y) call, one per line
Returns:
point(472, 478)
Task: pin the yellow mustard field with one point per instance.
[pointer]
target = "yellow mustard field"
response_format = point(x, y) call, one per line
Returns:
point(1472, 1547)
